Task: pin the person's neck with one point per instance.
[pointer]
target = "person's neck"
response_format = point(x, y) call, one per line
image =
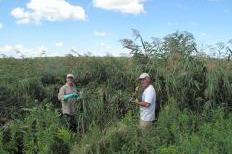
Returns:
point(70, 84)
point(147, 86)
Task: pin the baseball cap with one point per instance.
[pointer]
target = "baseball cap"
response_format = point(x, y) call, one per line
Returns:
point(144, 75)
point(70, 76)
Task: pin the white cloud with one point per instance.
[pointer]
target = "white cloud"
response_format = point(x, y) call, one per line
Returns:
point(59, 44)
point(1, 26)
point(101, 34)
point(125, 6)
point(52, 10)
point(106, 49)
point(19, 51)
point(102, 44)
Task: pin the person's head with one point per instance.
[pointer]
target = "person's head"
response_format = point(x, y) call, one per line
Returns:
point(70, 79)
point(145, 80)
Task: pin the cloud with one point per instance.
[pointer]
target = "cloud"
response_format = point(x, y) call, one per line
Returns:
point(102, 44)
point(19, 51)
point(124, 6)
point(44, 10)
point(1, 26)
point(101, 34)
point(59, 44)
point(107, 49)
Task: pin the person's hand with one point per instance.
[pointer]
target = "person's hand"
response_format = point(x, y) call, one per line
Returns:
point(136, 101)
point(137, 89)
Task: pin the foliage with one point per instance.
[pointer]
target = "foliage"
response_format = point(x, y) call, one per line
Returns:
point(194, 93)
point(38, 132)
point(176, 131)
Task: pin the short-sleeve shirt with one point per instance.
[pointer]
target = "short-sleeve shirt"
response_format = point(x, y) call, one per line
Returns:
point(149, 96)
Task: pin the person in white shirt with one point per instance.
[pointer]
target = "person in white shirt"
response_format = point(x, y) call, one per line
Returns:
point(148, 103)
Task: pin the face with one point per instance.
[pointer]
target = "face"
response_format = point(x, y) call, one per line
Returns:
point(69, 80)
point(145, 83)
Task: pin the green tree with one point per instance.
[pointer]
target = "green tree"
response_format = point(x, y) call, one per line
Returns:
point(181, 43)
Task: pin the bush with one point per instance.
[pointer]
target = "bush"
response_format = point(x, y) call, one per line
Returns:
point(38, 132)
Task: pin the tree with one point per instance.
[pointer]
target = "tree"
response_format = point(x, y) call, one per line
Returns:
point(143, 49)
point(182, 43)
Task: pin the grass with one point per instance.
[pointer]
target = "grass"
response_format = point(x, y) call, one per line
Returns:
point(194, 93)
point(176, 131)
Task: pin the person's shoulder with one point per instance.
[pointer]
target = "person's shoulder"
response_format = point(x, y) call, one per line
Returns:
point(151, 88)
point(63, 87)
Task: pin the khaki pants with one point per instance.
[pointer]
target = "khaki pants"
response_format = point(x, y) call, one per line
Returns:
point(144, 124)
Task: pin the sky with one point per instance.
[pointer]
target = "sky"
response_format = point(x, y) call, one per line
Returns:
point(58, 27)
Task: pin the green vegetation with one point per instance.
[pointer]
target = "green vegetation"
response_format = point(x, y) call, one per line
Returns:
point(195, 94)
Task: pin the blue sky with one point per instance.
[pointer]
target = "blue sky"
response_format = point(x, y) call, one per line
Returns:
point(57, 26)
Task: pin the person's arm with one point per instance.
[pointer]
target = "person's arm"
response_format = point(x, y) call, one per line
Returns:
point(148, 98)
point(61, 94)
point(143, 104)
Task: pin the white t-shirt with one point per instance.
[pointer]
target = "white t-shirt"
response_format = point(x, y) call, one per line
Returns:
point(149, 96)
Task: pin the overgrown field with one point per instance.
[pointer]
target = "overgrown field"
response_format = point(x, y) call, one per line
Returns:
point(195, 94)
